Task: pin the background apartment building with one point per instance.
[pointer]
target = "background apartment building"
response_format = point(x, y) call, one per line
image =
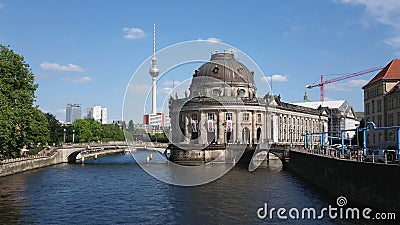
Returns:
point(382, 105)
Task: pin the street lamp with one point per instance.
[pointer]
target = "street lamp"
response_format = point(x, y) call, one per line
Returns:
point(73, 136)
point(65, 134)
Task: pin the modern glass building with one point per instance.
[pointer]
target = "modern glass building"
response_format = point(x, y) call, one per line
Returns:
point(73, 112)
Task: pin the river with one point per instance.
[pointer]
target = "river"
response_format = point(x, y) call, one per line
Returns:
point(115, 190)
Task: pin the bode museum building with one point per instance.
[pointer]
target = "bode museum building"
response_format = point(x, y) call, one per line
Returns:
point(222, 110)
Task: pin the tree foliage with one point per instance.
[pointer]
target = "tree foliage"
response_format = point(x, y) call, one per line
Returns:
point(111, 132)
point(88, 130)
point(21, 123)
point(55, 128)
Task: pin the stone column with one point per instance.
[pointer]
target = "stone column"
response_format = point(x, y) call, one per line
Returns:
point(187, 123)
point(266, 127)
point(202, 128)
point(253, 127)
point(221, 119)
point(238, 128)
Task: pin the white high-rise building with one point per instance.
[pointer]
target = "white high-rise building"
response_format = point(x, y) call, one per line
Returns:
point(97, 113)
point(103, 115)
point(73, 112)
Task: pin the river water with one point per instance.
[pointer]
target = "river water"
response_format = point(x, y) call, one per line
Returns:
point(115, 190)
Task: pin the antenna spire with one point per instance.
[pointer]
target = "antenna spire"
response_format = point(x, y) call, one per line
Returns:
point(154, 40)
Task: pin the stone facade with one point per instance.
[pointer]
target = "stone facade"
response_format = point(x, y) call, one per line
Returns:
point(222, 107)
point(382, 105)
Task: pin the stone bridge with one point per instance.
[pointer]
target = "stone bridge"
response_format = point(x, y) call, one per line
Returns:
point(63, 155)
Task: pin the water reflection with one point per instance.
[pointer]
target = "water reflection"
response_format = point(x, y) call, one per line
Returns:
point(172, 173)
point(115, 190)
point(13, 199)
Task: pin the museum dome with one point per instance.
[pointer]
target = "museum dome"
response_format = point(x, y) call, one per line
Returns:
point(224, 67)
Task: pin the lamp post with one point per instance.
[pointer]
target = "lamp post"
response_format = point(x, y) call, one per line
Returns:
point(73, 136)
point(65, 134)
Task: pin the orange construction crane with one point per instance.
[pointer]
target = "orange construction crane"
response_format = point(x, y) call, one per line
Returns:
point(323, 82)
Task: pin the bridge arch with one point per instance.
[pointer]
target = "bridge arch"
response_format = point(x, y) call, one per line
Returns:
point(72, 156)
point(280, 153)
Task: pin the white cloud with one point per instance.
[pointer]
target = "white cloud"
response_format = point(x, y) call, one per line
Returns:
point(133, 33)
point(384, 12)
point(56, 66)
point(357, 83)
point(275, 78)
point(381, 9)
point(79, 80)
point(346, 86)
point(393, 41)
point(211, 40)
point(170, 83)
point(166, 90)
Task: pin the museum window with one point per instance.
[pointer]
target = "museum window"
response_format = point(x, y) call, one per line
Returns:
point(373, 106)
point(228, 116)
point(259, 117)
point(194, 117)
point(245, 117)
point(390, 120)
point(379, 105)
point(398, 119)
point(398, 102)
point(210, 116)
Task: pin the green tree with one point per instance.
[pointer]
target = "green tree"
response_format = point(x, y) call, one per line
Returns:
point(21, 123)
point(35, 128)
point(55, 128)
point(87, 130)
point(111, 132)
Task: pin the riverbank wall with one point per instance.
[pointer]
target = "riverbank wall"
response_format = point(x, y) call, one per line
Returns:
point(373, 185)
point(13, 166)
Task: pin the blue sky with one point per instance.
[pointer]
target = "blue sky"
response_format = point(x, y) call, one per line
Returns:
point(86, 51)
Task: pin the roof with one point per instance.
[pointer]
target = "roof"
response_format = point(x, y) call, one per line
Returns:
point(339, 105)
point(315, 105)
point(297, 108)
point(224, 67)
point(391, 71)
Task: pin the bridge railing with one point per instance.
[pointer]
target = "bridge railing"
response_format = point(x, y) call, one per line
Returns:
point(46, 154)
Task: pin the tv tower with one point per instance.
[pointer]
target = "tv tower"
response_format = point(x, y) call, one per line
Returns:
point(154, 73)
